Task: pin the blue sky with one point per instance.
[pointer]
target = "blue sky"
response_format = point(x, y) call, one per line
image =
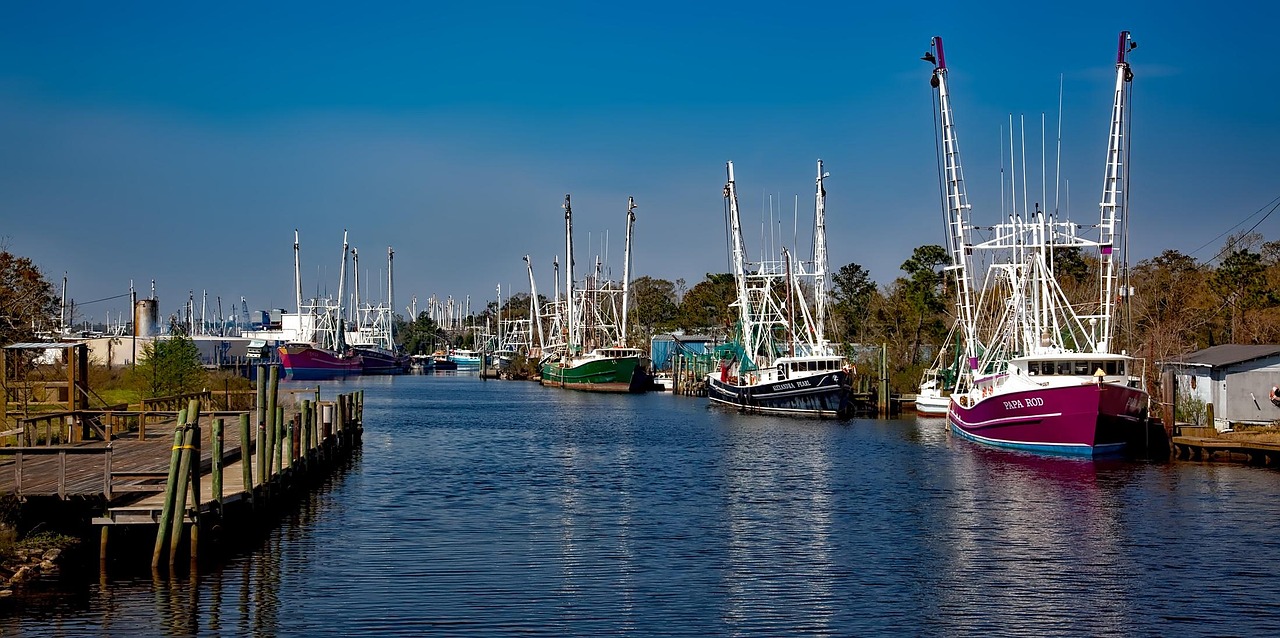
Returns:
point(185, 143)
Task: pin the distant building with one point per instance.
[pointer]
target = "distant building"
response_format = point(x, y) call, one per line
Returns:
point(1236, 379)
point(663, 346)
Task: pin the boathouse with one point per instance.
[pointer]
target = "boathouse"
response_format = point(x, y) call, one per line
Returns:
point(1237, 379)
point(663, 346)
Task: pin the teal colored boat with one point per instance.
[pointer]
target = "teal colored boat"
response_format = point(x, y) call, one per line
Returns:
point(601, 370)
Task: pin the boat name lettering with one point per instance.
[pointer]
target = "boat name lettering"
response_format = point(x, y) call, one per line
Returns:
point(1029, 402)
point(802, 383)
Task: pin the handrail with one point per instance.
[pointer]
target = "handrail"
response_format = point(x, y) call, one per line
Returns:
point(19, 452)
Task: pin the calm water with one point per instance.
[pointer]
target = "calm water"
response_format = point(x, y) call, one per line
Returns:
point(501, 508)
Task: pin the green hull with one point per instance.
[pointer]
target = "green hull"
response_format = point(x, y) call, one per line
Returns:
point(624, 374)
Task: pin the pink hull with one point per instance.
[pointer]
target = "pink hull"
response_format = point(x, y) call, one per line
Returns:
point(310, 363)
point(1081, 420)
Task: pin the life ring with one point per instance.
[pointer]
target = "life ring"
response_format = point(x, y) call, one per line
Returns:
point(1275, 396)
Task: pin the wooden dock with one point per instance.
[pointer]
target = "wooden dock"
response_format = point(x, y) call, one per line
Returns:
point(187, 477)
point(1198, 448)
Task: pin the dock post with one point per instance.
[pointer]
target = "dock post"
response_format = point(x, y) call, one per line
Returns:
point(306, 427)
point(261, 407)
point(1208, 415)
point(217, 463)
point(166, 512)
point(180, 494)
point(246, 456)
point(277, 444)
point(273, 397)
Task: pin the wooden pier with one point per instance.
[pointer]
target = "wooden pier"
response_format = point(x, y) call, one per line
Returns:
point(1194, 446)
point(187, 476)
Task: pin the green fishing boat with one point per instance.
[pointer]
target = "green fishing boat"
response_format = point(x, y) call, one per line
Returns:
point(601, 370)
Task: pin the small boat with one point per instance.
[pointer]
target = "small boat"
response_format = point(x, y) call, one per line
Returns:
point(442, 361)
point(932, 399)
point(463, 358)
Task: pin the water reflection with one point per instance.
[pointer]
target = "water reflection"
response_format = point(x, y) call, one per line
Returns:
point(500, 508)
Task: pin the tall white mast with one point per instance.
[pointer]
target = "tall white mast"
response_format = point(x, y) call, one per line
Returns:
point(957, 205)
point(391, 301)
point(739, 250)
point(535, 313)
point(820, 255)
point(342, 278)
point(355, 266)
point(626, 269)
point(568, 273)
point(1113, 192)
point(297, 274)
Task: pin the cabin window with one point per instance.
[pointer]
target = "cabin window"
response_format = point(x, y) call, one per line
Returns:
point(1082, 368)
point(1064, 367)
point(1113, 368)
point(1120, 365)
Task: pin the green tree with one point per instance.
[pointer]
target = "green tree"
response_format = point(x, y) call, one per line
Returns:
point(851, 294)
point(170, 366)
point(28, 302)
point(653, 306)
point(1240, 280)
point(923, 291)
point(420, 336)
point(706, 305)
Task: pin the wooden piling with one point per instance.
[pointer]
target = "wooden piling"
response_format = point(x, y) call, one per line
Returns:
point(273, 396)
point(166, 511)
point(197, 443)
point(246, 454)
point(261, 423)
point(277, 449)
point(217, 463)
point(306, 426)
point(180, 494)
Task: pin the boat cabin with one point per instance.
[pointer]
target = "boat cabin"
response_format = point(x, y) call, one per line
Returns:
point(1076, 367)
point(789, 368)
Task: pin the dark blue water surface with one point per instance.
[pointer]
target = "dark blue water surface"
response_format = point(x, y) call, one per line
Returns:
point(508, 508)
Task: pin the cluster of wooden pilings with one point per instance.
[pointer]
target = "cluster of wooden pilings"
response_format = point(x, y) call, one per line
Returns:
point(279, 450)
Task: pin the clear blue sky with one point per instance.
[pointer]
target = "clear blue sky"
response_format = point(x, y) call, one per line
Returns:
point(184, 143)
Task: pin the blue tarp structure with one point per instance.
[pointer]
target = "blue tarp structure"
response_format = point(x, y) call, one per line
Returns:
point(663, 346)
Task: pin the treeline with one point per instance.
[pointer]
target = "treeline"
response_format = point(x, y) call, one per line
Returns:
point(1178, 304)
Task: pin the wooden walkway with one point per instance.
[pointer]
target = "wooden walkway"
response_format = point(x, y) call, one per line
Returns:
point(96, 470)
point(1228, 449)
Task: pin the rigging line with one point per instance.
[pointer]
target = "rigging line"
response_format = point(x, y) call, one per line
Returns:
point(1232, 244)
point(1237, 225)
point(85, 303)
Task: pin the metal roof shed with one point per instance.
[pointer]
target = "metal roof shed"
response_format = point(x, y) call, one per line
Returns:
point(1237, 379)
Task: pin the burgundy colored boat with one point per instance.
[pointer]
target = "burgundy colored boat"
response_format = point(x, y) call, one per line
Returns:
point(306, 362)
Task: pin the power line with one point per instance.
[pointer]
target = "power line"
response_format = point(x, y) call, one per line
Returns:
point(85, 303)
point(1273, 203)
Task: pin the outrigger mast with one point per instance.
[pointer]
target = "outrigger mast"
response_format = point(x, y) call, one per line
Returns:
point(1113, 191)
point(956, 206)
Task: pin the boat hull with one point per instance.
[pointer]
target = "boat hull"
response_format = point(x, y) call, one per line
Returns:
point(621, 374)
point(1088, 420)
point(309, 363)
point(930, 404)
point(821, 395)
point(381, 361)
